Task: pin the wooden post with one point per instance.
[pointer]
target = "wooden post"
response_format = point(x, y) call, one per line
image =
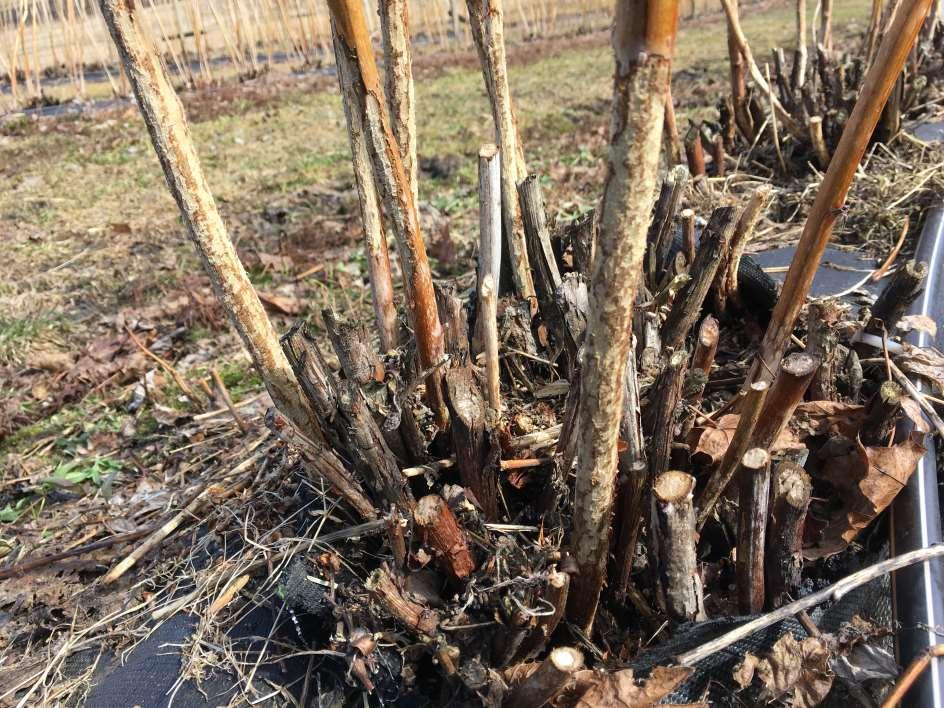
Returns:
point(672, 533)
point(398, 82)
point(354, 40)
point(643, 41)
point(547, 681)
point(164, 116)
point(441, 532)
point(488, 303)
point(831, 197)
point(754, 488)
point(790, 498)
point(486, 22)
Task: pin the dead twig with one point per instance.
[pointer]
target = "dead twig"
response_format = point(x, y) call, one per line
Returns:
point(834, 592)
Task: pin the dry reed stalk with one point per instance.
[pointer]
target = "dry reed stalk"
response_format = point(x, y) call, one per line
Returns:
point(178, 26)
point(164, 116)
point(643, 42)
point(831, 196)
point(231, 45)
point(169, 47)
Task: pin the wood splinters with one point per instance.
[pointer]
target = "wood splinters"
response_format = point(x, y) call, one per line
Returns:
point(441, 532)
point(550, 678)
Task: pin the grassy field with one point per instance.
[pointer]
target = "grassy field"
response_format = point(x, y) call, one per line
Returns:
point(92, 240)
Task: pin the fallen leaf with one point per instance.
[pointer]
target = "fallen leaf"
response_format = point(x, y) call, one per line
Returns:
point(795, 672)
point(918, 323)
point(810, 418)
point(281, 303)
point(714, 442)
point(926, 362)
point(277, 262)
point(39, 391)
point(868, 479)
point(50, 360)
point(621, 690)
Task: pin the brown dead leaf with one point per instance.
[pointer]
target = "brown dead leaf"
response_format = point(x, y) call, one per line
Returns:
point(918, 323)
point(276, 262)
point(796, 672)
point(621, 690)
point(120, 229)
point(926, 362)
point(50, 360)
point(714, 441)
point(868, 480)
point(280, 303)
point(811, 418)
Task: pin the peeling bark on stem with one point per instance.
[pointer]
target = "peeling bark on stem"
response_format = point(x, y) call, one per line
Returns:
point(375, 241)
point(441, 531)
point(831, 197)
point(164, 116)
point(398, 82)
point(643, 40)
point(396, 194)
point(489, 229)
